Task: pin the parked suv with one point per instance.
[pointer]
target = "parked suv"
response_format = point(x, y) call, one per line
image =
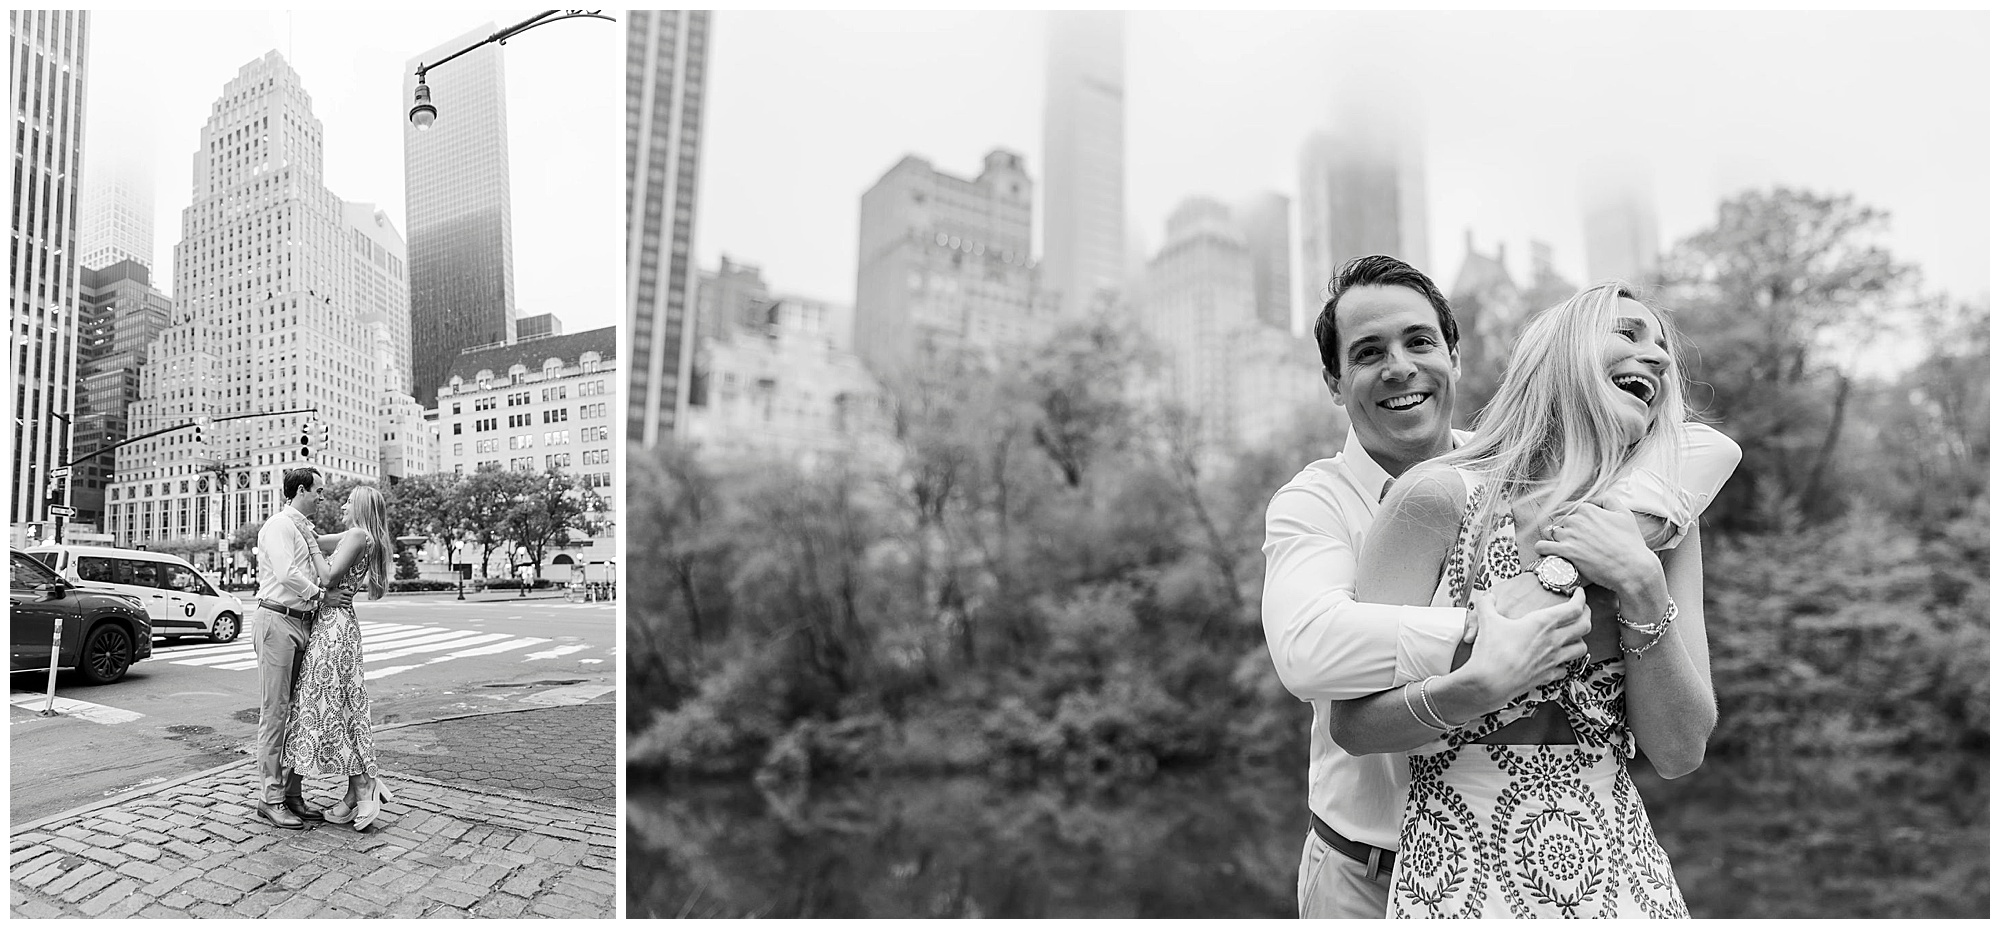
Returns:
point(103, 633)
point(177, 598)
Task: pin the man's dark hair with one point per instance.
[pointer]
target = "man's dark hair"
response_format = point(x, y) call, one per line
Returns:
point(297, 479)
point(1376, 271)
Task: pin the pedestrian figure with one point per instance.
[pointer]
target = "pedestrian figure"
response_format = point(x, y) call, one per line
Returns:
point(289, 591)
point(329, 732)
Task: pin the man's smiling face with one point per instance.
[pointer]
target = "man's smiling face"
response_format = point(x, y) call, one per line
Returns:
point(1397, 377)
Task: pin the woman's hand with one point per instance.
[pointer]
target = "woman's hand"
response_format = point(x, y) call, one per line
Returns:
point(1604, 542)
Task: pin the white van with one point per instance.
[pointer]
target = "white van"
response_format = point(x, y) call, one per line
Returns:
point(178, 599)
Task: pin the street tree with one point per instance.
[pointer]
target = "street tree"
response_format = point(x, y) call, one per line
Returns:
point(557, 505)
point(485, 499)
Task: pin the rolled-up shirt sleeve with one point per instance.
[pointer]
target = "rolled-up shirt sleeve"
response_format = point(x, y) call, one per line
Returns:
point(1679, 491)
point(1325, 644)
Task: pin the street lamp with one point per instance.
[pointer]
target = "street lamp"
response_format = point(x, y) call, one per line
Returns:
point(423, 115)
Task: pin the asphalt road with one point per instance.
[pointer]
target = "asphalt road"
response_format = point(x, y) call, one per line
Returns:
point(193, 705)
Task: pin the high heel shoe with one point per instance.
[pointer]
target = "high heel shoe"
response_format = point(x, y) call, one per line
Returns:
point(340, 813)
point(370, 806)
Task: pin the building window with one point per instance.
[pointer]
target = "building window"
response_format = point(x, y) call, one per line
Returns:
point(552, 462)
point(558, 437)
point(596, 434)
point(555, 416)
point(520, 441)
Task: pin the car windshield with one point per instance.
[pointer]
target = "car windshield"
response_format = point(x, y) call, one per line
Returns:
point(47, 558)
point(29, 573)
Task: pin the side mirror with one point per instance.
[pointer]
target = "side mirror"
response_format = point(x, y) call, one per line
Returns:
point(55, 589)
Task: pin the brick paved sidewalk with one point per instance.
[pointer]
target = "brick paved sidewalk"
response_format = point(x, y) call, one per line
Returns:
point(195, 847)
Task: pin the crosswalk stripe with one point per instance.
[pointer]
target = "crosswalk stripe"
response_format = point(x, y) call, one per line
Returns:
point(494, 649)
point(556, 652)
point(402, 636)
point(382, 641)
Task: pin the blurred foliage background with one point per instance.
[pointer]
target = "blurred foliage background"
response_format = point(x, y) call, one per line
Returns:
point(1056, 584)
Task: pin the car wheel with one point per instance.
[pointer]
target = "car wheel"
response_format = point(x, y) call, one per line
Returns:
point(107, 654)
point(225, 629)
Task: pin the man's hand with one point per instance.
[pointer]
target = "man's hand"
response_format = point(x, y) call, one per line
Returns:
point(1603, 540)
point(1514, 655)
point(337, 598)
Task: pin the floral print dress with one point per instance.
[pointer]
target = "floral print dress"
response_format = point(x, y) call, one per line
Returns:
point(1526, 831)
point(328, 733)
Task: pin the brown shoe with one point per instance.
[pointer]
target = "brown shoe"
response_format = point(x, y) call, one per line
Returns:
point(279, 816)
point(297, 804)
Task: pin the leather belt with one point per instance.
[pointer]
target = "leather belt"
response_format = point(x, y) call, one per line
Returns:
point(300, 615)
point(1378, 860)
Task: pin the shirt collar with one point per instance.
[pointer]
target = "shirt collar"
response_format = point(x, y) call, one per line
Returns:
point(1368, 475)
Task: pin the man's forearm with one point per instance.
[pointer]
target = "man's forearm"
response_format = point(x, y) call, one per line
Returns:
point(1345, 650)
point(1389, 721)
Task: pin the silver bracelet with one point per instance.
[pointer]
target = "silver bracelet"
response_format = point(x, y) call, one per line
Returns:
point(1413, 709)
point(1424, 695)
point(1666, 619)
point(1657, 630)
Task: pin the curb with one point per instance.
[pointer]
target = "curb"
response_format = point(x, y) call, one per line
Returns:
point(171, 783)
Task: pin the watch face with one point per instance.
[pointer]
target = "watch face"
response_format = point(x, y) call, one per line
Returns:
point(1557, 572)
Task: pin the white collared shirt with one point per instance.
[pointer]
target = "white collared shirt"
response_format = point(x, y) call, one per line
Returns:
point(287, 565)
point(1327, 646)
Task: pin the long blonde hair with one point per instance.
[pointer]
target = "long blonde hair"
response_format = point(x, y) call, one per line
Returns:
point(1548, 440)
point(368, 511)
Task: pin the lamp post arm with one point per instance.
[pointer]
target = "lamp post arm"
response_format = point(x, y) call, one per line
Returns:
point(500, 38)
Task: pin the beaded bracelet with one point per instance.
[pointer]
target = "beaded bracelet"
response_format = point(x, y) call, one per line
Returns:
point(1657, 630)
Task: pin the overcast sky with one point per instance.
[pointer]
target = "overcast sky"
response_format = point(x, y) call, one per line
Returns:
point(807, 110)
point(153, 77)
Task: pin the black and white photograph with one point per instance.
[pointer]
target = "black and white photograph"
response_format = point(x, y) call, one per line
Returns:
point(1312, 464)
point(313, 549)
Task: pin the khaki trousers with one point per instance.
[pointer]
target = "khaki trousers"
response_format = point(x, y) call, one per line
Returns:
point(1334, 886)
point(280, 642)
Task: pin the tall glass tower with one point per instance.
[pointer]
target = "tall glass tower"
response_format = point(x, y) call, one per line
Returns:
point(50, 51)
point(455, 183)
point(1083, 139)
point(666, 68)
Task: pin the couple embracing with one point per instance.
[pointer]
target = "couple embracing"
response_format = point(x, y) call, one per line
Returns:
point(315, 717)
point(1489, 624)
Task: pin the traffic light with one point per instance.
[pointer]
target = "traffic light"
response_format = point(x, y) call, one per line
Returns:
point(305, 439)
point(201, 431)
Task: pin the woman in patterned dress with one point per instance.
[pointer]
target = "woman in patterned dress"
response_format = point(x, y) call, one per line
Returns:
point(328, 733)
point(1529, 810)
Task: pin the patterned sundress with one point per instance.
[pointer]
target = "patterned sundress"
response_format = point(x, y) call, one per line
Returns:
point(1522, 831)
point(328, 733)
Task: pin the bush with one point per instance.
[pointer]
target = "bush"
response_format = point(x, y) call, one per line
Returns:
point(508, 583)
point(404, 586)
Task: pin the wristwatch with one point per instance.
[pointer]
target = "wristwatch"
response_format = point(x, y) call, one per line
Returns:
point(1557, 575)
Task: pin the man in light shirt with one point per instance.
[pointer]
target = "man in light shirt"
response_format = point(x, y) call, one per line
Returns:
point(288, 595)
point(1389, 351)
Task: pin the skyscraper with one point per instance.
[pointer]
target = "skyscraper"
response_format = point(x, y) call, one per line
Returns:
point(944, 263)
point(122, 314)
point(118, 207)
point(264, 321)
point(1266, 222)
point(50, 61)
point(455, 183)
point(1621, 230)
point(666, 68)
point(1083, 139)
point(1201, 289)
point(379, 261)
point(1362, 191)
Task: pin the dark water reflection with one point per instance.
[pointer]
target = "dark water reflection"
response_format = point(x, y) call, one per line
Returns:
point(1846, 838)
